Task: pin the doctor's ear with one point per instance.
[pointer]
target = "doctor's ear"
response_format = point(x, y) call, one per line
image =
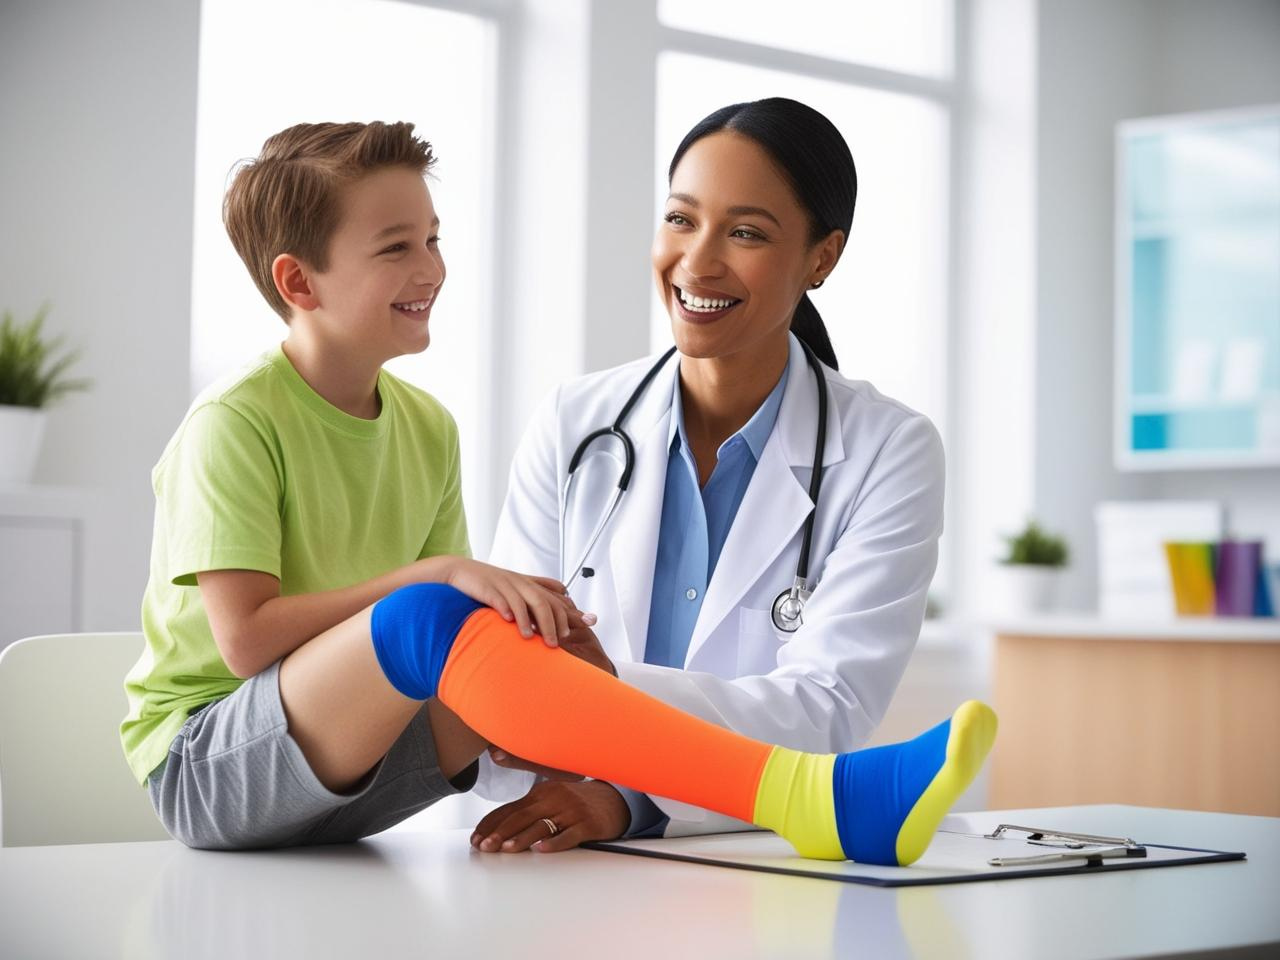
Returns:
point(828, 249)
point(293, 281)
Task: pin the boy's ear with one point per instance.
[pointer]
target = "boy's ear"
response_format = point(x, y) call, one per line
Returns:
point(293, 281)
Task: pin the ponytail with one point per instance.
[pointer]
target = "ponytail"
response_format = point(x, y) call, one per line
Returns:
point(809, 329)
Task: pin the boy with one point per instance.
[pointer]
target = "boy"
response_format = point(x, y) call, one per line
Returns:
point(336, 670)
point(292, 497)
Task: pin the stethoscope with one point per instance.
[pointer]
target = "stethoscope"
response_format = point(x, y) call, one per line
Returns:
point(788, 606)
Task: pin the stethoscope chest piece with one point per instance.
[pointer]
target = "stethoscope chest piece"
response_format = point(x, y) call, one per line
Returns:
point(788, 607)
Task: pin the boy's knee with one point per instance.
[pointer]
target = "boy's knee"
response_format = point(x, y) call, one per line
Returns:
point(413, 630)
point(424, 608)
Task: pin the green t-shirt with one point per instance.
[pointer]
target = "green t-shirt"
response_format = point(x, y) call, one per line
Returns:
point(264, 474)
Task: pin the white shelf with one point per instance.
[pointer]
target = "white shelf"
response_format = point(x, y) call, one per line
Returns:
point(1084, 626)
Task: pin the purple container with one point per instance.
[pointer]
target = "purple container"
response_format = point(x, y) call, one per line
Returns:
point(1236, 577)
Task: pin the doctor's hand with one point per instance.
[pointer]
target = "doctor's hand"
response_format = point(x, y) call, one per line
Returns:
point(585, 645)
point(509, 761)
point(590, 810)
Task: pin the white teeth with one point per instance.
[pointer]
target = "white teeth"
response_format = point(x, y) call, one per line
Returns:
point(414, 306)
point(704, 304)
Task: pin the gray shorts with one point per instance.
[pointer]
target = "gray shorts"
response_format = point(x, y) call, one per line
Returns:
point(234, 779)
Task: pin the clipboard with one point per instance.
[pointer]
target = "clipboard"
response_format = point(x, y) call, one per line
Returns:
point(1009, 852)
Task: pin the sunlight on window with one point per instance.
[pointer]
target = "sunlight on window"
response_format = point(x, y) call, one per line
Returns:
point(885, 305)
point(349, 60)
point(911, 36)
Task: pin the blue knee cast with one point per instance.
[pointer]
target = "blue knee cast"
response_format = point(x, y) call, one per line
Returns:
point(413, 630)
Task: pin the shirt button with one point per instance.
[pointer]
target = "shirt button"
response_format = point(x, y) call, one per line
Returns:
point(691, 594)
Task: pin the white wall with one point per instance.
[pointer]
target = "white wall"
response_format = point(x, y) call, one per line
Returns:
point(1102, 61)
point(97, 106)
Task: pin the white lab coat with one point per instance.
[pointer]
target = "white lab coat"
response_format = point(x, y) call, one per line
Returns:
point(823, 688)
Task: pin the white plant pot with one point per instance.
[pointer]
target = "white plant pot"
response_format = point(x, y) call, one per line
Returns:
point(1027, 588)
point(20, 431)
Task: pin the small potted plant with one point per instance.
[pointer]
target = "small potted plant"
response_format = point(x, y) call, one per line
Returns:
point(33, 374)
point(1031, 569)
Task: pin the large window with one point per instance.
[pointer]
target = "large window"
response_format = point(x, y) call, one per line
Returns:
point(353, 60)
point(883, 74)
point(884, 306)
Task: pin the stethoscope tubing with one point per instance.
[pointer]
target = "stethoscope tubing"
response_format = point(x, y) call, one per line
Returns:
point(789, 605)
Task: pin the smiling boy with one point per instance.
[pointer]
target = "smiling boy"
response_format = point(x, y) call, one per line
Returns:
point(294, 495)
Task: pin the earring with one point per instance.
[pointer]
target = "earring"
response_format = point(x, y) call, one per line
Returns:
point(816, 284)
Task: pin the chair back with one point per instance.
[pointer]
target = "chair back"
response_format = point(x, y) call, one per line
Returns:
point(63, 776)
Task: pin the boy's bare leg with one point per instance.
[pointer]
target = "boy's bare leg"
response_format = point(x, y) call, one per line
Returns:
point(457, 745)
point(345, 715)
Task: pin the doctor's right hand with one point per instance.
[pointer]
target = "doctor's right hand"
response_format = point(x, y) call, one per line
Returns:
point(585, 645)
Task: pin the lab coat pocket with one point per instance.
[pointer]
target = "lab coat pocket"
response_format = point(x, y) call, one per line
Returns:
point(759, 642)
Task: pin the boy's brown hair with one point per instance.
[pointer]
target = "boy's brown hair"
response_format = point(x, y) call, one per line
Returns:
point(286, 199)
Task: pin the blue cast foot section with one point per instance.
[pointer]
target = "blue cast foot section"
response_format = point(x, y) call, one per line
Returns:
point(413, 630)
point(875, 790)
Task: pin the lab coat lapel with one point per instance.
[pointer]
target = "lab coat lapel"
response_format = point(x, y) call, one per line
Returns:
point(776, 503)
point(633, 548)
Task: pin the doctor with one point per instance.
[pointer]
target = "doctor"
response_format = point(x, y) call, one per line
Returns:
point(690, 572)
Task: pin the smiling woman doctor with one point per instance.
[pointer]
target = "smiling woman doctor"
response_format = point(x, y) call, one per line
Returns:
point(697, 577)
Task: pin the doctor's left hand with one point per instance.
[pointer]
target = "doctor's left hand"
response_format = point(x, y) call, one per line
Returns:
point(582, 811)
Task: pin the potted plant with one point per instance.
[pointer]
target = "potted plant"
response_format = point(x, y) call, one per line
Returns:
point(33, 374)
point(1031, 569)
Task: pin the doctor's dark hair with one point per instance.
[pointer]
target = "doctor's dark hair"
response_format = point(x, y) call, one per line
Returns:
point(287, 199)
point(814, 158)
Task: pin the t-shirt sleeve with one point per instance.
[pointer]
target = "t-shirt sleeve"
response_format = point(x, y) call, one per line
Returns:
point(218, 497)
point(448, 536)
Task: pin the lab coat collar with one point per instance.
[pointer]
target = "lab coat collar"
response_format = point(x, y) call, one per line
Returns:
point(800, 414)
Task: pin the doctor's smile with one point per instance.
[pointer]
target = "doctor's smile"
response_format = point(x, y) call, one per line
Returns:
point(700, 308)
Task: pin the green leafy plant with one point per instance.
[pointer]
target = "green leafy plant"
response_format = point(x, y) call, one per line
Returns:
point(33, 368)
point(1035, 547)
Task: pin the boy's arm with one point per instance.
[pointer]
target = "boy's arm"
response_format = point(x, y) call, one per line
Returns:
point(254, 626)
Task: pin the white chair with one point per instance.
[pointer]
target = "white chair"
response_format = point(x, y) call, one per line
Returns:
point(63, 777)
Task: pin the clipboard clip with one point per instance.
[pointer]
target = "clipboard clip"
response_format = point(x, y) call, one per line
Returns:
point(1091, 848)
point(1061, 838)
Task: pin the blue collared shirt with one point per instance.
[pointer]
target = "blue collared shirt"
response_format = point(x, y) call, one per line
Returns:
point(695, 524)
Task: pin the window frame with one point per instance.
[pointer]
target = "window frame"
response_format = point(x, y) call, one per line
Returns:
point(951, 94)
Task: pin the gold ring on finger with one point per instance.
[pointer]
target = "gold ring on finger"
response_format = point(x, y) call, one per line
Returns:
point(551, 825)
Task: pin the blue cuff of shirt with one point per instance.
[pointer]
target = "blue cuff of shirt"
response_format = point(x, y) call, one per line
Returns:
point(647, 820)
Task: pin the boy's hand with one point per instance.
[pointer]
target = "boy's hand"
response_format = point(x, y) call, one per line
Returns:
point(531, 602)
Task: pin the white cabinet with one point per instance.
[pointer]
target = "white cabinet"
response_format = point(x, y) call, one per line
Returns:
point(41, 565)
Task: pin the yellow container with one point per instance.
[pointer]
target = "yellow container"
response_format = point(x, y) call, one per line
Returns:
point(1191, 570)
